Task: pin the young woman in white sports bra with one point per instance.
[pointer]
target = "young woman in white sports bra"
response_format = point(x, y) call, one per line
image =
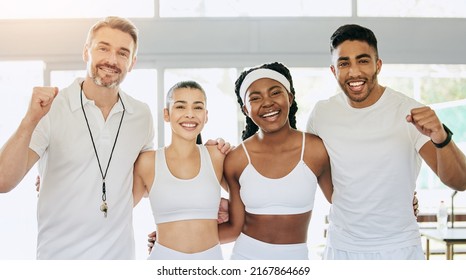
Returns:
point(183, 181)
point(272, 176)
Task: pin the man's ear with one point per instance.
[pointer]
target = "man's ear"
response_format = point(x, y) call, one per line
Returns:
point(379, 65)
point(332, 68)
point(85, 53)
point(132, 64)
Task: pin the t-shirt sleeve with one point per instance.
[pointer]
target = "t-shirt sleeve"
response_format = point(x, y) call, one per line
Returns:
point(41, 136)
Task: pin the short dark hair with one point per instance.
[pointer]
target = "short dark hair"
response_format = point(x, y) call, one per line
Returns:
point(353, 32)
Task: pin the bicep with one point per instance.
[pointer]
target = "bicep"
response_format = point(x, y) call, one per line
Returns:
point(429, 155)
point(139, 189)
point(217, 159)
point(326, 184)
point(143, 175)
point(33, 157)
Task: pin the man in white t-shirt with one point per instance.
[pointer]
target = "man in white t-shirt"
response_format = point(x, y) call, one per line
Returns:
point(376, 139)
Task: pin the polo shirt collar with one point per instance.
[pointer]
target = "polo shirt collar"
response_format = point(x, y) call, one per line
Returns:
point(75, 98)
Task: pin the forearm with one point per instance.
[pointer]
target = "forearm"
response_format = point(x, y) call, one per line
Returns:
point(451, 166)
point(227, 232)
point(15, 157)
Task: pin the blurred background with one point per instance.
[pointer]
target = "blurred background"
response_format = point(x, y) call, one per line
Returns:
point(421, 43)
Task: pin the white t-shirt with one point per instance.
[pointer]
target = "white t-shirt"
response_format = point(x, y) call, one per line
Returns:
point(70, 223)
point(375, 163)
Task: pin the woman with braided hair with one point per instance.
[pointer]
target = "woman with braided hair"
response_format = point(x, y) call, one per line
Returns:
point(274, 173)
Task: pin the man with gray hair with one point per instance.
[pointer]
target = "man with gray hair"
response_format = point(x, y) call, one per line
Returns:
point(86, 138)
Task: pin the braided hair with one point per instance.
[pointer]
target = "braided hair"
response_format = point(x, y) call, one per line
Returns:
point(251, 128)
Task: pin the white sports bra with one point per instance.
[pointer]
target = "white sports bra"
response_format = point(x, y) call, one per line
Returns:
point(291, 194)
point(174, 199)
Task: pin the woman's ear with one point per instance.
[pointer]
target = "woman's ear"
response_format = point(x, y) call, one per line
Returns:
point(245, 110)
point(290, 98)
point(166, 115)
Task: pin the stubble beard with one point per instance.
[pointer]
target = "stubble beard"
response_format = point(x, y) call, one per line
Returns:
point(100, 80)
point(370, 83)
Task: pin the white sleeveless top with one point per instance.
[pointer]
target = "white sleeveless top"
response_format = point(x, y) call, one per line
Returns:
point(173, 199)
point(291, 194)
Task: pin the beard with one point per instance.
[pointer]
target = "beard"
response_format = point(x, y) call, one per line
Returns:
point(105, 81)
point(370, 84)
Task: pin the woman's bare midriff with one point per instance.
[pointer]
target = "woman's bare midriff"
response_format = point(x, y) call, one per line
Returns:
point(189, 236)
point(278, 229)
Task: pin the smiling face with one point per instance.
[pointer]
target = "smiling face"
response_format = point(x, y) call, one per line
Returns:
point(267, 103)
point(355, 65)
point(187, 112)
point(109, 56)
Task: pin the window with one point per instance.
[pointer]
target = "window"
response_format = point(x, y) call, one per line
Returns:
point(222, 107)
point(47, 9)
point(18, 239)
point(412, 8)
point(254, 8)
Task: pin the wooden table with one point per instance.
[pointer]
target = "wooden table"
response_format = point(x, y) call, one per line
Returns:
point(451, 237)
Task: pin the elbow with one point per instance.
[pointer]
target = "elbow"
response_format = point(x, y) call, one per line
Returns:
point(456, 184)
point(228, 233)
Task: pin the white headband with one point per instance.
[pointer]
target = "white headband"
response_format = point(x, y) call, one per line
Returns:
point(259, 74)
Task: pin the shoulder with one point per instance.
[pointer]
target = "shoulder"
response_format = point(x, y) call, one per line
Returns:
point(402, 99)
point(134, 105)
point(236, 160)
point(311, 138)
point(332, 100)
point(315, 154)
point(145, 159)
point(328, 106)
point(314, 146)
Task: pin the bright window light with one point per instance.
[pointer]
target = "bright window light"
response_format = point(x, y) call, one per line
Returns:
point(254, 8)
point(47, 9)
point(218, 84)
point(412, 8)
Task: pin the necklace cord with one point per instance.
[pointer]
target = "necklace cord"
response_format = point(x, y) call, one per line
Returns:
point(104, 175)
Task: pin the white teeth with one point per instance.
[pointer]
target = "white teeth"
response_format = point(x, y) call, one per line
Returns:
point(109, 70)
point(270, 114)
point(188, 125)
point(356, 84)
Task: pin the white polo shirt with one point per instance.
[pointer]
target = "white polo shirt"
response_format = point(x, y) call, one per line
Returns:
point(70, 223)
